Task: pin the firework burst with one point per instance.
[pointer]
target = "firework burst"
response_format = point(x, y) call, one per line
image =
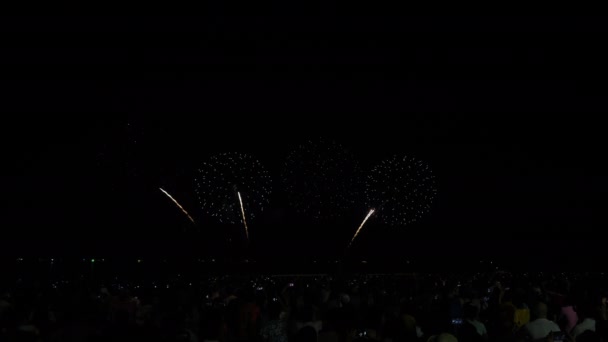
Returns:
point(224, 178)
point(321, 179)
point(402, 190)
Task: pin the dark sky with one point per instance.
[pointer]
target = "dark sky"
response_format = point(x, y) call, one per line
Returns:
point(101, 111)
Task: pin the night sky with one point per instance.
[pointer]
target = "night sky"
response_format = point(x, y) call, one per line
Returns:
point(99, 112)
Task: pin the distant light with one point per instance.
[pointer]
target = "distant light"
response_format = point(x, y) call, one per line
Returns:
point(93, 261)
point(139, 261)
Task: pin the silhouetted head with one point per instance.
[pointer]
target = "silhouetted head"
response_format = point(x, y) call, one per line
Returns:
point(470, 311)
point(274, 309)
point(585, 310)
point(212, 325)
point(588, 336)
point(306, 313)
point(445, 337)
point(539, 310)
point(306, 334)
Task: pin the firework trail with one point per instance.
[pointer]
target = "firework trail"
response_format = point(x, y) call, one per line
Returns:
point(243, 212)
point(178, 205)
point(361, 226)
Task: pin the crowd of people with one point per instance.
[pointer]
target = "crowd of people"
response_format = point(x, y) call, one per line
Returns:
point(476, 307)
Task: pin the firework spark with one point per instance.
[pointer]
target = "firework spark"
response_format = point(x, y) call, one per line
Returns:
point(178, 205)
point(361, 226)
point(243, 212)
point(221, 176)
